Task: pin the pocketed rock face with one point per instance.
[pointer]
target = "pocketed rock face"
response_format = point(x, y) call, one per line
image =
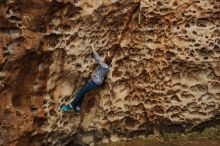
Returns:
point(165, 75)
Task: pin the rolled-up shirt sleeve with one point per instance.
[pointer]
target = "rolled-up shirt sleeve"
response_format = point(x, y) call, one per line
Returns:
point(99, 60)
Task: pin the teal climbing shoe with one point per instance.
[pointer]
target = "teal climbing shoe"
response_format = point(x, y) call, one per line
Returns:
point(67, 108)
point(77, 109)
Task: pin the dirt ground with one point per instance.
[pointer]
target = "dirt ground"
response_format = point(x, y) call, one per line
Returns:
point(158, 143)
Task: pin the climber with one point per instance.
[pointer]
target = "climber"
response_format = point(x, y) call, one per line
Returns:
point(97, 79)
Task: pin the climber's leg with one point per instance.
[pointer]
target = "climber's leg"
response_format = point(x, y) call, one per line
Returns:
point(92, 86)
point(76, 102)
point(80, 94)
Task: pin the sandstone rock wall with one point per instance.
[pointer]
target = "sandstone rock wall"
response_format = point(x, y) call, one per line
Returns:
point(165, 74)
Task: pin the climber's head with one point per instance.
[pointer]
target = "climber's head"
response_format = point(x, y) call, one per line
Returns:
point(108, 60)
point(111, 53)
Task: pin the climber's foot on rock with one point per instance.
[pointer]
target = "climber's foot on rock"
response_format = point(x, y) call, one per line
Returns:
point(77, 109)
point(70, 108)
point(67, 108)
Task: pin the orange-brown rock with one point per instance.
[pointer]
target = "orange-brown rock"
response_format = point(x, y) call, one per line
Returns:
point(165, 74)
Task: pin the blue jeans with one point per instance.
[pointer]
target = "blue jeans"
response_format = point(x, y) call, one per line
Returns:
point(90, 85)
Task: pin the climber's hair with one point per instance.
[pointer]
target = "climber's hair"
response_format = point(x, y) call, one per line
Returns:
point(108, 60)
point(113, 50)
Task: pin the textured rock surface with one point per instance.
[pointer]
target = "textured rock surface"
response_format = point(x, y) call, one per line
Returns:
point(165, 75)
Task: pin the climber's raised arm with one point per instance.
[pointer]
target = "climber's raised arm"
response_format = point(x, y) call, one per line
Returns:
point(98, 58)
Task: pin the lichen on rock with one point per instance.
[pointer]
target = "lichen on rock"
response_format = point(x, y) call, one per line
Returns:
point(165, 74)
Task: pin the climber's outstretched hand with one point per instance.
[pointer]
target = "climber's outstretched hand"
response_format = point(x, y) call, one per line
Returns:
point(92, 46)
